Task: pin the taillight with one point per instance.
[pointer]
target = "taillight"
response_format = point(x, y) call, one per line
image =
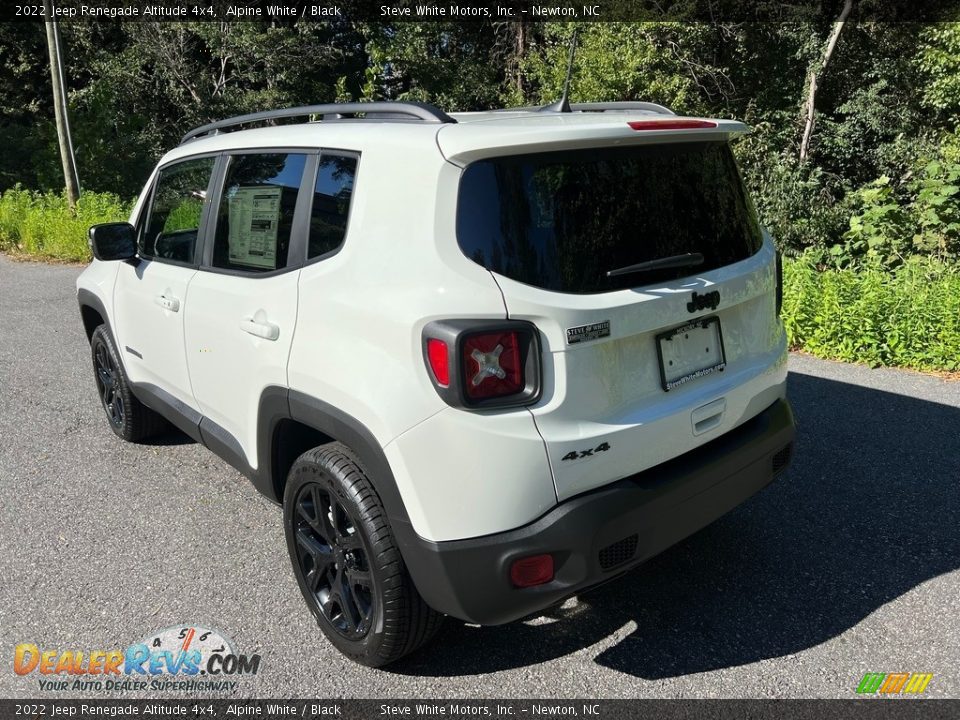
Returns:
point(531, 571)
point(439, 357)
point(491, 363)
point(483, 363)
point(670, 124)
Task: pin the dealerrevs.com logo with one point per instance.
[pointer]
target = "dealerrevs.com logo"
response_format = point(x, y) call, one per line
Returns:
point(183, 657)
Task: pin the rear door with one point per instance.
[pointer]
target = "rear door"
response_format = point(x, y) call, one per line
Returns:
point(243, 300)
point(150, 296)
point(679, 343)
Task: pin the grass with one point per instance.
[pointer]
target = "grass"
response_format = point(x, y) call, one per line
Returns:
point(908, 317)
point(40, 225)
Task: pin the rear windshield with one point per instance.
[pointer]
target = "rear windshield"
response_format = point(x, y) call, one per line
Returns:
point(561, 220)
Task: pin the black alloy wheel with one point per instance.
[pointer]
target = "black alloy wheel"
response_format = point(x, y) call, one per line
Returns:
point(334, 561)
point(130, 419)
point(347, 562)
point(106, 374)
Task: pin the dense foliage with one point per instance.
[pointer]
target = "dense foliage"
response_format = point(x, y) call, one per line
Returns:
point(881, 179)
point(42, 225)
point(908, 317)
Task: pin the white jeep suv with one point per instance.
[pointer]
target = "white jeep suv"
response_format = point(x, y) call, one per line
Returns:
point(483, 360)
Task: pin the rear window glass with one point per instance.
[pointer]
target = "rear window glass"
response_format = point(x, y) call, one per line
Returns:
point(561, 220)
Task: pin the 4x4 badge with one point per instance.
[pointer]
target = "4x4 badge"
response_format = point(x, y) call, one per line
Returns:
point(580, 454)
point(592, 331)
point(702, 302)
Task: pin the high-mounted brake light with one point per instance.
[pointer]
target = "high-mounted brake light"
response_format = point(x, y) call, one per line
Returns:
point(491, 365)
point(439, 359)
point(670, 124)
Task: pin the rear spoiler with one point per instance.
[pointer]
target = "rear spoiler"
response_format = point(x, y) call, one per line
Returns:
point(466, 142)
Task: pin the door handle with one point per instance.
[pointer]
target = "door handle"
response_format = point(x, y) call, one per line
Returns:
point(167, 303)
point(260, 329)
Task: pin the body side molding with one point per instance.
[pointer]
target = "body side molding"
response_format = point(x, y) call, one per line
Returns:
point(276, 405)
point(208, 433)
point(176, 412)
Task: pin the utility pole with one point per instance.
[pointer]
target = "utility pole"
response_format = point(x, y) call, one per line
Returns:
point(71, 181)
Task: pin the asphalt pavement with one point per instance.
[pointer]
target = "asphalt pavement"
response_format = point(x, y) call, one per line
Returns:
point(847, 565)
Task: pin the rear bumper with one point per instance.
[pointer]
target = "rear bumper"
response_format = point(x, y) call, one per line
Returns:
point(599, 534)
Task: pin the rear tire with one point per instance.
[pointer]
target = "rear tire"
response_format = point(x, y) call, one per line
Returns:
point(130, 419)
point(347, 563)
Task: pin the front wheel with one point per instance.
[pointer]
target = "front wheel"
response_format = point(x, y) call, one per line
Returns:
point(128, 417)
point(347, 563)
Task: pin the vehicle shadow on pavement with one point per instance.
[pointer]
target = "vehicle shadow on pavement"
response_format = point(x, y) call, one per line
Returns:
point(868, 511)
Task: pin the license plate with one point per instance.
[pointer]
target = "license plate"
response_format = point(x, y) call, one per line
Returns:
point(690, 351)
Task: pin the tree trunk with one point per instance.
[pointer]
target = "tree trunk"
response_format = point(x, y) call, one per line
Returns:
point(812, 92)
point(71, 182)
point(519, 50)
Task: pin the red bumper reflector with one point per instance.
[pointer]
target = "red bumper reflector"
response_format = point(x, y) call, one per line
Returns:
point(439, 360)
point(533, 570)
point(670, 124)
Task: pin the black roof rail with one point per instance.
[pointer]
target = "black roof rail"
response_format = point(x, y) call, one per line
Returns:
point(601, 107)
point(628, 105)
point(385, 110)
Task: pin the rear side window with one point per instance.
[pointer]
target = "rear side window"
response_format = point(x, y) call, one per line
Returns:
point(331, 203)
point(560, 221)
point(170, 230)
point(255, 217)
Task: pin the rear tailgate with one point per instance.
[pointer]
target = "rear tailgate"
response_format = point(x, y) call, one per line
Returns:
point(608, 392)
point(623, 390)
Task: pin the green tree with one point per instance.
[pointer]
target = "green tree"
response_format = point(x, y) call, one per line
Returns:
point(458, 66)
point(939, 59)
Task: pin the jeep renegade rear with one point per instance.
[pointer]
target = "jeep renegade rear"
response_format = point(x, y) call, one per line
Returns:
point(484, 360)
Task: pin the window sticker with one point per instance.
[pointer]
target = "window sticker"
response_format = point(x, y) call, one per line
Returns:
point(254, 217)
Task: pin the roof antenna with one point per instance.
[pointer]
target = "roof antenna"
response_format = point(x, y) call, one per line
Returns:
point(563, 104)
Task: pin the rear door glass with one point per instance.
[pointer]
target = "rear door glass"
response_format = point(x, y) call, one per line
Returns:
point(561, 220)
point(255, 218)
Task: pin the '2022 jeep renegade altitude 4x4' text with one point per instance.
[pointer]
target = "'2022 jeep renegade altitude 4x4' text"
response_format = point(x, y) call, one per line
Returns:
point(483, 360)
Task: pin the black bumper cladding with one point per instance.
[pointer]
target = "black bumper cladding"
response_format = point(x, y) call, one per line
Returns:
point(597, 535)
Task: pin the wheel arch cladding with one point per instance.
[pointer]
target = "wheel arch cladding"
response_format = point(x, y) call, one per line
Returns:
point(289, 439)
point(292, 422)
point(92, 312)
point(309, 419)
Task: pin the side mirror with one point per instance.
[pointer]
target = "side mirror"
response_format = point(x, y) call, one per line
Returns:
point(113, 241)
